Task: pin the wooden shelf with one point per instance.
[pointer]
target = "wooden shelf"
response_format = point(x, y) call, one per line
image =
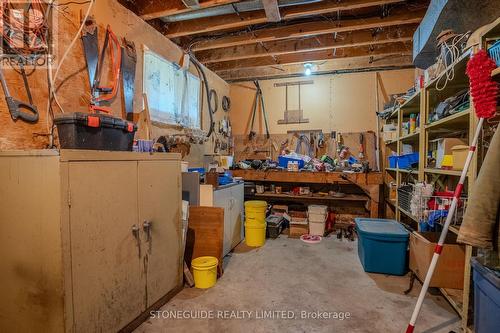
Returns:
point(407, 213)
point(459, 78)
point(412, 137)
point(443, 172)
point(411, 105)
point(454, 297)
point(348, 197)
point(412, 171)
point(455, 121)
point(402, 170)
point(390, 142)
point(454, 229)
point(496, 72)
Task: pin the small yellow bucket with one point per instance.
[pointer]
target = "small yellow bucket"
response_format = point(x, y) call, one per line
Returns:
point(255, 234)
point(255, 212)
point(204, 272)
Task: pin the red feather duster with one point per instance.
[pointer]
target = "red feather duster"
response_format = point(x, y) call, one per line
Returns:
point(483, 89)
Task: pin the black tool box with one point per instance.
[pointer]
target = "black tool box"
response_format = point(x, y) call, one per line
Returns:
point(97, 131)
point(275, 225)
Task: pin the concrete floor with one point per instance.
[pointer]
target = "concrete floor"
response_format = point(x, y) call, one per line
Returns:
point(287, 274)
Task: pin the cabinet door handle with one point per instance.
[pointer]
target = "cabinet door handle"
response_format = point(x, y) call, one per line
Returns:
point(146, 226)
point(135, 232)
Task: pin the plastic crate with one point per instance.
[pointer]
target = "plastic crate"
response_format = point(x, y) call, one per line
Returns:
point(405, 193)
point(393, 162)
point(494, 52)
point(283, 161)
point(407, 161)
point(486, 298)
point(95, 131)
point(382, 246)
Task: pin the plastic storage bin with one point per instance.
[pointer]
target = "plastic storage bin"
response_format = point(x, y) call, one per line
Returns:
point(382, 246)
point(494, 52)
point(407, 161)
point(283, 161)
point(275, 225)
point(486, 298)
point(96, 131)
point(393, 162)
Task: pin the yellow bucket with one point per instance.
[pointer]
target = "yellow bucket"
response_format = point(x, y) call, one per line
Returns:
point(255, 212)
point(204, 272)
point(255, 234)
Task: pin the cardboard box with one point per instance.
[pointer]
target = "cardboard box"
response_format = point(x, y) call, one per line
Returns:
point(297, 230)
point(390, 135)
point(460, 153)
point(444, 147)
point(449, 272)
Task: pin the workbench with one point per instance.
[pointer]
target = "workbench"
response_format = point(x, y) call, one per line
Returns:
point(369, 182)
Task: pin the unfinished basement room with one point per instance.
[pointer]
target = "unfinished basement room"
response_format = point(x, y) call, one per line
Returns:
point(250, 166)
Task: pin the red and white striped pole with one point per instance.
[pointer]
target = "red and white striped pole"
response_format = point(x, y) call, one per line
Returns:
point(444, 232)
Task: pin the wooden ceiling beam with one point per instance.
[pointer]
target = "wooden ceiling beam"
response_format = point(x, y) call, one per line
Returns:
point(382, 62)
point(152, 9)
point(235, 21)
point(314, 43)
point(272, 10)
point(353, 52)
point(398, 17)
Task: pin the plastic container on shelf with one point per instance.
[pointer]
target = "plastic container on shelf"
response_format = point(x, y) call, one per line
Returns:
point(283, 161)
point(393, 161)
point(407, 161)
point(494, 52)
point(96, 131)
point(382, 246)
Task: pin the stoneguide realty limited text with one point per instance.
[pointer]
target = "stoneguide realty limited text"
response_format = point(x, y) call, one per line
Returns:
point(243, 314)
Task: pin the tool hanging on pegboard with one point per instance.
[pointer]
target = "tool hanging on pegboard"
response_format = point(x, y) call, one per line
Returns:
point(259, 97)
point(101, 96)
point(15, 106)
point(129, 62)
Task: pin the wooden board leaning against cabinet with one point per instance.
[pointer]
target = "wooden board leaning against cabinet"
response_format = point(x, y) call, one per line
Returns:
point(92, 239)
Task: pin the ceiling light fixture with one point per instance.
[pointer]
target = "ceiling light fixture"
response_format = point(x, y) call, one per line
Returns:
point(308, 67)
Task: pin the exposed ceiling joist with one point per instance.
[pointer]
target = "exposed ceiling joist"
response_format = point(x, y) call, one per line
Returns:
point(192, 4)
point(234, 21)
point(314, 43)
point(272, 11)
point(353, 52)
point(152, 9)
point(383, 62)
point(401, 16)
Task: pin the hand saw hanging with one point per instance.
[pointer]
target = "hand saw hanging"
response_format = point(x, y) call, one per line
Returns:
point(101, 95)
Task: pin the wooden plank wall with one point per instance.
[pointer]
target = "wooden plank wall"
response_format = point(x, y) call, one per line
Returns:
point(74, 90)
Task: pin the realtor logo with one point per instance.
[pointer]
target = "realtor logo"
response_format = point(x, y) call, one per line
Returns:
point(26, 32)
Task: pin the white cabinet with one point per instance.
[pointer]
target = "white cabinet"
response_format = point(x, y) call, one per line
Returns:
point(91, 239)
point(231, 198)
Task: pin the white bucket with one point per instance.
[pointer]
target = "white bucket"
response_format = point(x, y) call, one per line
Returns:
point(317, 217)
point(317, 209)
point(316, 228)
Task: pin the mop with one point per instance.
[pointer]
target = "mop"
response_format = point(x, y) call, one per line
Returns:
point(484, 95)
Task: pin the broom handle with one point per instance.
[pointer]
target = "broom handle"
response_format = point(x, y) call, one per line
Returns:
point(444, 232)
